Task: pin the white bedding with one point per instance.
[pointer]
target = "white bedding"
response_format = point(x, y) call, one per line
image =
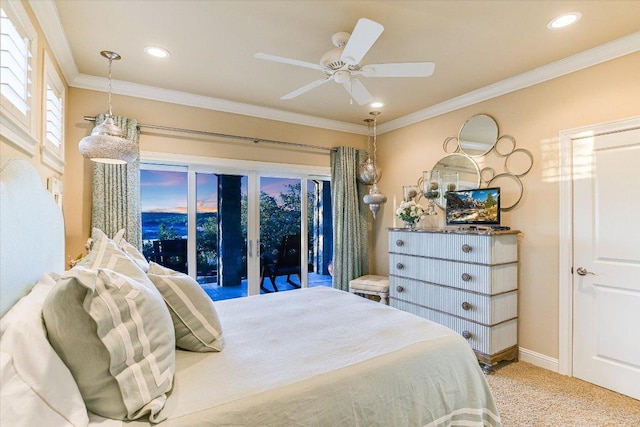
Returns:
point(322, 357)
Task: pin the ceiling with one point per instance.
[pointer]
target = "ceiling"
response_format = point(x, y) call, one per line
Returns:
point(481, 49)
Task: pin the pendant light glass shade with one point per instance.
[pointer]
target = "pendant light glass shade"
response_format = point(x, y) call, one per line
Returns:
point(369, 172)
point(107, 142)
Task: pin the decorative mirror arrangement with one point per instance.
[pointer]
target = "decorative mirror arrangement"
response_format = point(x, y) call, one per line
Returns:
point(459, 170)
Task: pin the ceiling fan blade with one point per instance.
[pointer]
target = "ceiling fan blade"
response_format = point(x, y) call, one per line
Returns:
point(364, 35)
point(357, 91)
point(289, 61)
point(403, 69)
point(306, 88)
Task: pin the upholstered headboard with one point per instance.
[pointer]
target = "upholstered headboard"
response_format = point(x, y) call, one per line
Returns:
point(31, 231)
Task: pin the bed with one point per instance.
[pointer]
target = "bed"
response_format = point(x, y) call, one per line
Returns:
point(307, 357)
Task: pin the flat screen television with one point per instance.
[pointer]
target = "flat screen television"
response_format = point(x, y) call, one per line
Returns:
point(478, 206)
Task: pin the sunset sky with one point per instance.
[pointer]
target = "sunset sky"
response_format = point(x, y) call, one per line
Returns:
point(166, 191)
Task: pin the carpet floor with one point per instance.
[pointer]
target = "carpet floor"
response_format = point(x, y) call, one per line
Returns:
point(527, 395)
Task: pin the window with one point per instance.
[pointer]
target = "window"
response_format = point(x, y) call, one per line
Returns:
point(53, 129)
point(236, 224)
point(17, 59)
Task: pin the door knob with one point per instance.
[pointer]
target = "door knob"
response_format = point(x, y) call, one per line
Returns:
point(583, 271)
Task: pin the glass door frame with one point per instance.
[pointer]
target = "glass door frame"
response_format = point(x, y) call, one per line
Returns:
point(253, 170)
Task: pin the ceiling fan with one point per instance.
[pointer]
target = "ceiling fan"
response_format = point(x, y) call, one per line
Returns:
point(342, 64)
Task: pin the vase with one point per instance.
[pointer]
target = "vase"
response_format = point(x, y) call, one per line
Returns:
point(410, 225)
point(431, 189)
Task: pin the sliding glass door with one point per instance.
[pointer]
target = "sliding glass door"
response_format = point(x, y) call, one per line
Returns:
point(238, 232)
point(280, 234)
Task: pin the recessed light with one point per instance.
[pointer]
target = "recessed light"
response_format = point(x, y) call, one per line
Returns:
point(564, 20)
point(377, 104)
point(156, 51)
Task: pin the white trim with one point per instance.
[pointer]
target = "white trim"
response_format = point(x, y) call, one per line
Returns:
point(565, 237)
point(606, 52)
point(538, 359)
point(47, 15)
point(52, 155)
point(84, 81)
point(233, 165)
point(16, 135)
point(17, 128)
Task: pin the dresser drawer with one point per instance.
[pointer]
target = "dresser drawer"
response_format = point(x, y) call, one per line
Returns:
point(476, 248)
point(480, 278)
point(484, 339)
point(484, 309)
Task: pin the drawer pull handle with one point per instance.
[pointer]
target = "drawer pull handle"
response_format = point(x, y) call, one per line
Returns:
point(466, 306)
point(466, 334)
point(399, 266)
point(399, 242)
point(400, 289)
point(466, 277)
point(466, 248)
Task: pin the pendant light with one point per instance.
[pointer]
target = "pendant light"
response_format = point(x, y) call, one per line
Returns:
point(107, 142)
point(368, 170)
point(375, 198)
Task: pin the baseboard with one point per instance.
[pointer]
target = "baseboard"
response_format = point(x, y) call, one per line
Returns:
point(538, 359)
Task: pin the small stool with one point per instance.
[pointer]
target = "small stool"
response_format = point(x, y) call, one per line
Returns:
point(371, 285)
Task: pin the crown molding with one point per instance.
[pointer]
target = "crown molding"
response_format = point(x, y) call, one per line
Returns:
point(47, 15)
point(84, 81)
point(606, 52)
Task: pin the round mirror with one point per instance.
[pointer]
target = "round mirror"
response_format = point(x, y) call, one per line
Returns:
point(466, 168)
point(478, 135)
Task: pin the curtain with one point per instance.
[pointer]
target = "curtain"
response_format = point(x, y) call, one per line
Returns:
point(116, 191)
point(350, 218)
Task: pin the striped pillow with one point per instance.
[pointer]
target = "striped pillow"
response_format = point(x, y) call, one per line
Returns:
point(105, 253)
point(195, 320)
point(116, 337)
point(131, 250)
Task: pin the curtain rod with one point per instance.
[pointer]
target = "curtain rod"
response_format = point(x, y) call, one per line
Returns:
point(224, 135)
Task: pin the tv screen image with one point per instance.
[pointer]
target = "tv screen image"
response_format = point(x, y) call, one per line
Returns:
point(475, 206)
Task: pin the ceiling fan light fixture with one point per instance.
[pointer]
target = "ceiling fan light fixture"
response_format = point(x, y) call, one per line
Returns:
point(332, 60)
point(564, 20)
point(107, 142)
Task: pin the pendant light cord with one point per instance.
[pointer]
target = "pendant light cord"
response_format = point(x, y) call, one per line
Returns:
point(110, 62)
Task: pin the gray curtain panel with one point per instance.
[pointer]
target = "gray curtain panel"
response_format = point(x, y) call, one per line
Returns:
point(350, 218)
point(116, 191)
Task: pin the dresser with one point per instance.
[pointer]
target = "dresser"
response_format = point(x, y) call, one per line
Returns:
point(465, 280)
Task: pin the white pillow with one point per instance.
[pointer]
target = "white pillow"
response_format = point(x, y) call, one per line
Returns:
point(116, 336)
point(196, 322)
point(36, 387)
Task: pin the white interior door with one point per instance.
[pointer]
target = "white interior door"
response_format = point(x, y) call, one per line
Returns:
point(606, 267)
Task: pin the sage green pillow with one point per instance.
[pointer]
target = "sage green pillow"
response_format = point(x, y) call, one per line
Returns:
point(195, 320)
point(116, 337)
point(105, 253)
point(131, 250)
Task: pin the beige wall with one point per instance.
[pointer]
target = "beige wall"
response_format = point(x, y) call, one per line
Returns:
point(77, 182)
point(534, 116)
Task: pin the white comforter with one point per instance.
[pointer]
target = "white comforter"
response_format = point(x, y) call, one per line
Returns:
point(322, 357)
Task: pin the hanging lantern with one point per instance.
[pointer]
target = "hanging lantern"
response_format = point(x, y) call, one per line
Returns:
point(370, 172)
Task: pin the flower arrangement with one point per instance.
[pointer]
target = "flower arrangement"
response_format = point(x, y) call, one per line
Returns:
point(410, 212)
point(87, 246)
